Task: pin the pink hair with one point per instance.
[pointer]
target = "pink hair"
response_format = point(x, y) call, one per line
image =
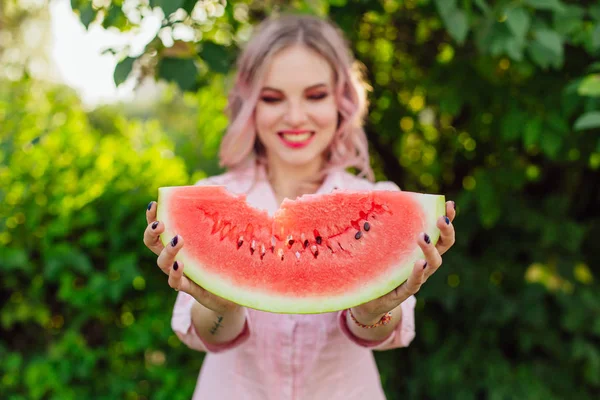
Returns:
point(349, 147)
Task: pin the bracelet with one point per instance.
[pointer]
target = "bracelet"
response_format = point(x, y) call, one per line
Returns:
point(383, 321)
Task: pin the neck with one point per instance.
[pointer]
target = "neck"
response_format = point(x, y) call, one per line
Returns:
point(292, 181)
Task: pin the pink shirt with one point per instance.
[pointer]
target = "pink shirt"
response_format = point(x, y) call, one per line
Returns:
point(279, 356)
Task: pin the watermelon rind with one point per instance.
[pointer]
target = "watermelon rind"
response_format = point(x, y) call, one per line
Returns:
point(433, 207)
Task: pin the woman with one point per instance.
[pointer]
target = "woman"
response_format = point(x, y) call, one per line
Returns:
point(296, 113)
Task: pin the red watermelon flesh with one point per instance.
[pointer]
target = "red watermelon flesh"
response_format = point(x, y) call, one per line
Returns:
point(318, 253)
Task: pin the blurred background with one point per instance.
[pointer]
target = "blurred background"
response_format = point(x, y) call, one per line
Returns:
point(495, 104)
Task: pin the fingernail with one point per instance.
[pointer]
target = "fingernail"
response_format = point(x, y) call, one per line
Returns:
point(424, 265)
point(174, 241)
point(150, 205)
point(454, 205)
point(154, 224)
point(175, 265)
point(447, 220)
point(427, 239)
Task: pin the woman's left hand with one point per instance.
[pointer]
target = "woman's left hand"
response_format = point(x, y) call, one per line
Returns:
point(373, 310)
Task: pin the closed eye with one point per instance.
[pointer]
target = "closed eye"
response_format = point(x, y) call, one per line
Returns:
point(269, 99)
point(318, 96)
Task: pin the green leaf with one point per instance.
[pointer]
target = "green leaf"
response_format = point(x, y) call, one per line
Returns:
point(451, 103)
point(547, 49)
point(122, 70)
point(595, 12)
point(115, 17)
point(458, 25)
point(455, 19)
point(570, 21)
point(62, 257)
point(553, 5)
point(518, 21)
point(483, 6)
point(596, 37)
point(551, 143)
point(218, 58)
point(540, 55)
point(182, 71)
point(445, 7)
point(594, 67)
point(558, 124)
point(487, 198)
point(550, 40)
point(512, 125)
point(514, 48)
point(589, 120)
point(532, 132)
point(168, 6)
point(13, 259)
point(87, 15)
point(590, 86)
point(188, 5)
point(500, 40)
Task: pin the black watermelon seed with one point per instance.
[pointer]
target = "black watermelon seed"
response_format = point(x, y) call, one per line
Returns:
point(291, 242)
point(240, 243)
point(319, 239)
point(358, 235)
point(305, 243)
point(367, 227)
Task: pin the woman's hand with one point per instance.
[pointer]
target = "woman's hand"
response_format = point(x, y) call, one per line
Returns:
point(372, 311)
point(174, 269)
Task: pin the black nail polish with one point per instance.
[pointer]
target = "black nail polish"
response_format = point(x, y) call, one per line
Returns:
point(154, 224)
point(174, 241)
point(427, 239)
point(447, 220)
point(175, 265)
point(150, 205)
point(424, 265)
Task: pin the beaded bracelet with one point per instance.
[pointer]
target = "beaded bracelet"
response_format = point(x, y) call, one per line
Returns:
point(383, 321)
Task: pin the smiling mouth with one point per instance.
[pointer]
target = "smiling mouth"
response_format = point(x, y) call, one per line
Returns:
point(296, 139)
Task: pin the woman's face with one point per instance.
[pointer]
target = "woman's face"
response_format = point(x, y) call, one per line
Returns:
point(296, 115)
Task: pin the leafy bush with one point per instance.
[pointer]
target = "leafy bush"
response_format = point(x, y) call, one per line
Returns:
point(84, 312)
point(496, 106)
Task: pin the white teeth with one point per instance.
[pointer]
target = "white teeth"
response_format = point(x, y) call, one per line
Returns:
point(301, 137)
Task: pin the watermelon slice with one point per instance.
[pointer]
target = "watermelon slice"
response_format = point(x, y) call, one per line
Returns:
point(318, 253)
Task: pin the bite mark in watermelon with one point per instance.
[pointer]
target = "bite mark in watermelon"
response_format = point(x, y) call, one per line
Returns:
point(318, 253)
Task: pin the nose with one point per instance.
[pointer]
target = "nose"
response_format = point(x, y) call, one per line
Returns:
point(296, 114)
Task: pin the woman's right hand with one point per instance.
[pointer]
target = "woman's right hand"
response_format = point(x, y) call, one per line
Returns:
point(174, 269)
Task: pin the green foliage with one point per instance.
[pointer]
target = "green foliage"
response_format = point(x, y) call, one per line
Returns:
point(83, 311)
point(495, 104)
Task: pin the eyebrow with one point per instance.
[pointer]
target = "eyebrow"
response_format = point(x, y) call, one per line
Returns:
point(315, 86)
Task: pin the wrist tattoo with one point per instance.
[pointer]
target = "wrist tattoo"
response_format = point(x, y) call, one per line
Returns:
point(216, 325)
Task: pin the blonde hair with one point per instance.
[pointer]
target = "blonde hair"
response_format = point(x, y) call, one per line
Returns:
point(349, 147)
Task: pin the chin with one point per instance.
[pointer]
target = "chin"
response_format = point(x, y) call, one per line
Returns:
point(298, 160)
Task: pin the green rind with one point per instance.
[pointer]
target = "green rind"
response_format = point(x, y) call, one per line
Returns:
point(289, 305)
